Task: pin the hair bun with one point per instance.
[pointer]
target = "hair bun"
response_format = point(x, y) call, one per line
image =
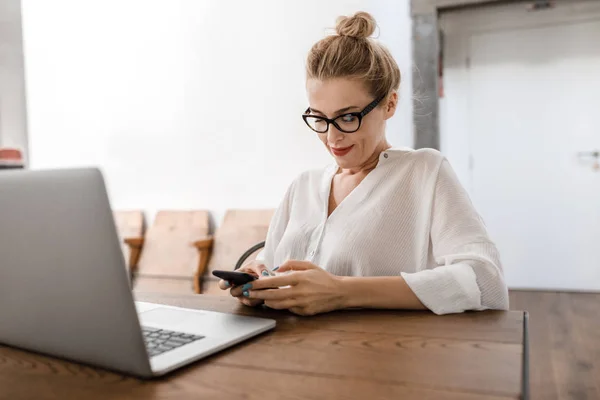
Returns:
point(360, 26)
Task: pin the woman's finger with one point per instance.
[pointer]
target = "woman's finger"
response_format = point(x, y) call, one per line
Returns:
point(281, 304)
point(255, 268)
point(250, 302)
point(273, 282)
point(238, 291)
point(258, 270)
point(224, 285)
point(304, 311)
point(271, 294)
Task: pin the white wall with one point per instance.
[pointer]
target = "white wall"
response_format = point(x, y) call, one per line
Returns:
point(13, 117)
point(187, 104)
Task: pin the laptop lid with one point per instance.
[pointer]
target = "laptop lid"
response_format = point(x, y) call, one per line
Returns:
point(64, 287)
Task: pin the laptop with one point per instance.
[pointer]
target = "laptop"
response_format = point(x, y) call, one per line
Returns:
point(65, 290)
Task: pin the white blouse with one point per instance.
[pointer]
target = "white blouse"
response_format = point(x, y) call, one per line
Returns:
point(410, 216)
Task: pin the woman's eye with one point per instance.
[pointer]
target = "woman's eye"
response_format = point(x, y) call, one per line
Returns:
point(348, 118)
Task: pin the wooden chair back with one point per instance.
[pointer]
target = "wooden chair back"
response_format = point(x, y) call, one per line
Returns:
point(168, 249)
point(130, 224)
point(239, 230)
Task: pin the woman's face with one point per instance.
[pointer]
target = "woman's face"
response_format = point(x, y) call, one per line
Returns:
point(334, 97)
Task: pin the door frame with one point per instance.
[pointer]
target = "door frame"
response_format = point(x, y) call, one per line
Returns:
point(458, 27)
point(428, 58)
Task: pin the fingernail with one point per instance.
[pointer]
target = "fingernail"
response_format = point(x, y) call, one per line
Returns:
point(246, 294)
point(227, 284)
point(276, 268)
point(265, 273)
point(246, 287)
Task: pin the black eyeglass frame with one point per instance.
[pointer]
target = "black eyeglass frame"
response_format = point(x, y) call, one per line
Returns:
point(359, 114)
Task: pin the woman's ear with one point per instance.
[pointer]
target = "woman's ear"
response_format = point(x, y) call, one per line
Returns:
point(390, 105)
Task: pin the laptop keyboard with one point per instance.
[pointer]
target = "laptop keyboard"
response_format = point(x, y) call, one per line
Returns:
point(159, 341)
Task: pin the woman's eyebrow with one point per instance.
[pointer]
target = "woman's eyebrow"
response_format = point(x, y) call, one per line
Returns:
point(341, 110)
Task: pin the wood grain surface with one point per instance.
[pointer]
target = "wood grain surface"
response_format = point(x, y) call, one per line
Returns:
point(564, 337)
point(168, 245)
point(354, 354)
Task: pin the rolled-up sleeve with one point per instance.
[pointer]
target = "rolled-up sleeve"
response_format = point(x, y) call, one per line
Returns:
point(468, 275)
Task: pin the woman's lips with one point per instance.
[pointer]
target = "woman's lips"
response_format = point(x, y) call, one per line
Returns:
point(341, 151)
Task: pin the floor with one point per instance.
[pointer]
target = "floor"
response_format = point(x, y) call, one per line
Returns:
point(564, 339)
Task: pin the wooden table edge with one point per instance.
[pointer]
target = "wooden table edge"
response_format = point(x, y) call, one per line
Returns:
point(525, 361)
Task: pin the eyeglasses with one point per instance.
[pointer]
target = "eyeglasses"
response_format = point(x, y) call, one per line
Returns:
point(347, 123)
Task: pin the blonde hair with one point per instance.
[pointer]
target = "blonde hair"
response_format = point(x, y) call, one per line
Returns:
point(351, 53)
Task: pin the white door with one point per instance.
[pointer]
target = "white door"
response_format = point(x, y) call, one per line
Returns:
point(530, 103)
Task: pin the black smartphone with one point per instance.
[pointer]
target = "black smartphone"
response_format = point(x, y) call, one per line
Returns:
point(234, 277)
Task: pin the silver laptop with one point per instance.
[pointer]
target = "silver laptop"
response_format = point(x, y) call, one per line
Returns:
point(65, 291)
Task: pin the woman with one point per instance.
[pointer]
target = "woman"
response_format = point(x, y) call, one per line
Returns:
point(380, 228)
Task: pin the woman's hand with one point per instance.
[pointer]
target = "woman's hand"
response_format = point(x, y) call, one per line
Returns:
point(305, 290)
point(256, 268)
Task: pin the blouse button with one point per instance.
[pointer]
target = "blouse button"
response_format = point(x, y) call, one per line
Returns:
point(385, 155)
point(312, 253)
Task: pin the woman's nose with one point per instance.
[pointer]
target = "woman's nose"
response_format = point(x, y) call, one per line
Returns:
point(334, 134)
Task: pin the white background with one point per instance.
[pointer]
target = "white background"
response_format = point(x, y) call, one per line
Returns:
point(187, 104)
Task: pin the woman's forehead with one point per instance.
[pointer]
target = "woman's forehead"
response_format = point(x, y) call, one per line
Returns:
point(334, 94)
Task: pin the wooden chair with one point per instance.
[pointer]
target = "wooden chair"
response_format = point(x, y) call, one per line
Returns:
point(239, 231)
point(169, 260)
point(130, 224)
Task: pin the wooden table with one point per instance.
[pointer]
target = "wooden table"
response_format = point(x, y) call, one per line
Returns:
point(358, 354)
